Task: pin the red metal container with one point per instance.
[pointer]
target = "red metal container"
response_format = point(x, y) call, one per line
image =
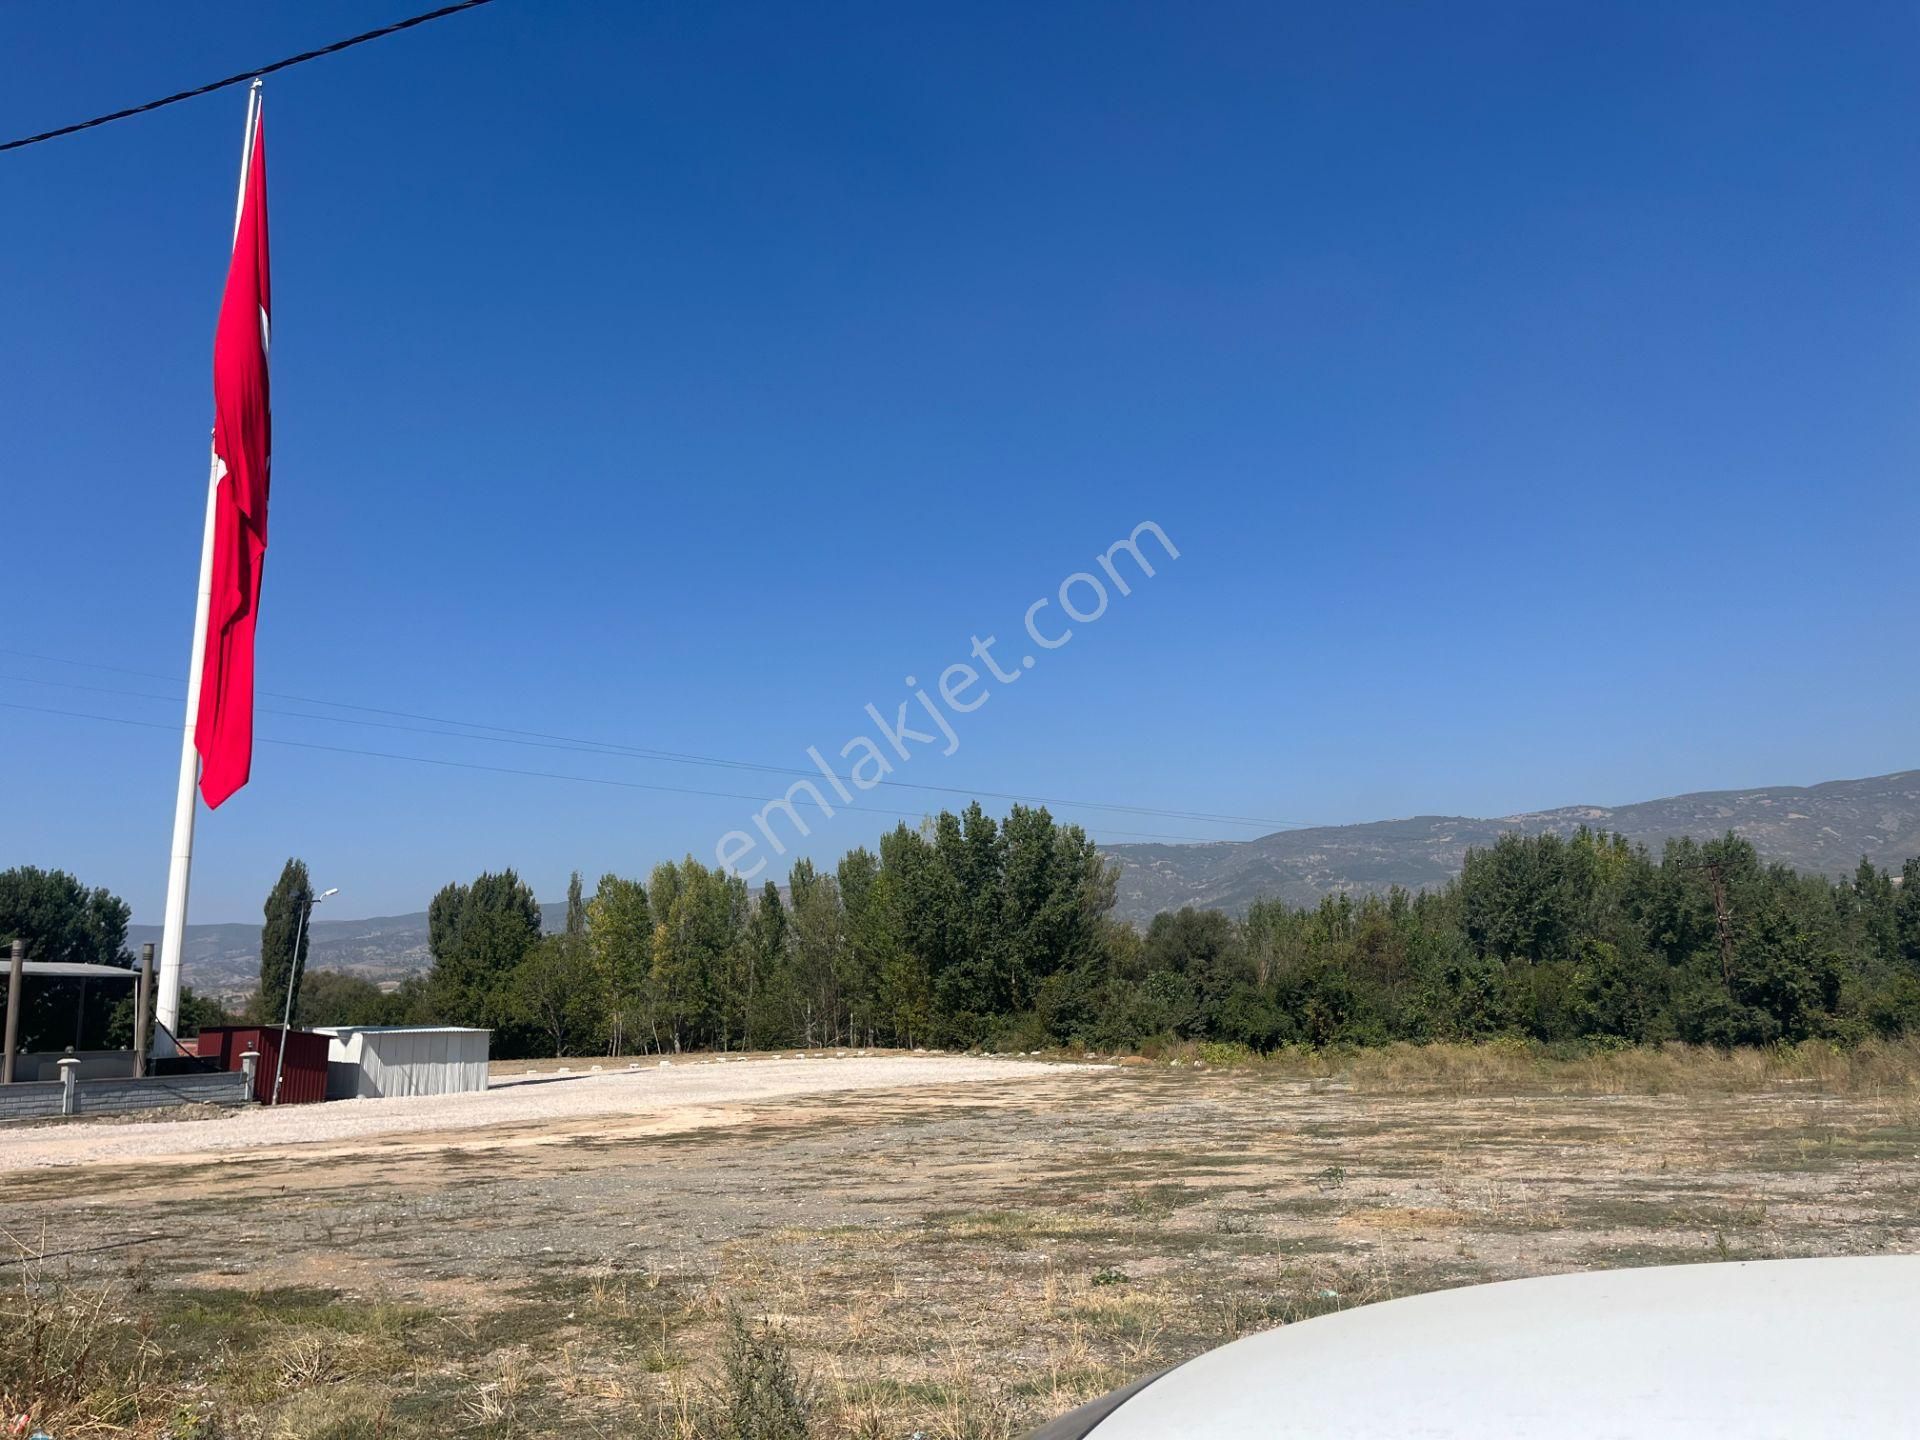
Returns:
point(303, 1079)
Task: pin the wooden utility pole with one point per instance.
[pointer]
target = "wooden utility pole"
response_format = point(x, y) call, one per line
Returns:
point(1723, 921)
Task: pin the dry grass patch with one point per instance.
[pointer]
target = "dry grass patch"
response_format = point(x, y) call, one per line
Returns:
point(1408, 1217)
point(1518, 1066)
point(964, 1279)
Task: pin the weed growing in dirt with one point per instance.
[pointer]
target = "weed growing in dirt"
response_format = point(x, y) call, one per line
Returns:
point(1516, 1065)
point(70, 1358)
point(762, 1397)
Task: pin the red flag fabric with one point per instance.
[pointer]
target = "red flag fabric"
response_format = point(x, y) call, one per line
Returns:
point(243, 445)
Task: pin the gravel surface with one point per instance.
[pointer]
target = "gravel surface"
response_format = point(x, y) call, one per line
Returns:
point(529, 1098)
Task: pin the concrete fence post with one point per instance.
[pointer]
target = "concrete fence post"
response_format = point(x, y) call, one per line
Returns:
point(69, 1084)
point(142, 999)
point(249, 1062)
point(14, 969)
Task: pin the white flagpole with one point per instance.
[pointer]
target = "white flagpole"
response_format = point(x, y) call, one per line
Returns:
point(173, 935)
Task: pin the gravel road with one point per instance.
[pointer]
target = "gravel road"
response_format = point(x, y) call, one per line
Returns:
point(530, 1099)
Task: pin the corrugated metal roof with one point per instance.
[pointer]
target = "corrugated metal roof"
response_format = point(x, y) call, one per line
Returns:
point(75, 970)
point(400, 1030)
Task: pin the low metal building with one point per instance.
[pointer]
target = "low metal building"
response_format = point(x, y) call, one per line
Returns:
point(303, 1079)
point(382, 1061)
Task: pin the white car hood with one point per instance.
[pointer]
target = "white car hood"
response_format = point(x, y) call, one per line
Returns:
point(1778, 1348)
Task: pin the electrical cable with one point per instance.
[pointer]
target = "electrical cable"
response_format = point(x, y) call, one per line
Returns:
point(504, 735)
point(545, 740)
point(532, 774)
point(245, 75)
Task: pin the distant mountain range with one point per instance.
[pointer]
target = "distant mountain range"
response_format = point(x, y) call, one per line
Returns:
point(1824, 828)
point(224, 960)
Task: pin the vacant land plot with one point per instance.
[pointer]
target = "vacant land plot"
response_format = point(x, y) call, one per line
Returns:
point(526, 1104)
point(958, 1252)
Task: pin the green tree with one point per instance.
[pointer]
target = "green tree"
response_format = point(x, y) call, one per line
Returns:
point(903, 988)
point(1205, 949)
point(478, 934)
point(552, 992)
point(770, 1001)
point(1517, 899)
point(443, 919)
point(333, 997)
point(198, 1012)
point(60, 919)
point(734, 962)
point(576, 906)
point(820, 954)
point(926, 907)
point(1787, 969)
point(284, 941)
point(1907, 915)
point(1870, 910)
point(699, 923)
point(1627, 995)
point(619, 932)
point(1057, 892)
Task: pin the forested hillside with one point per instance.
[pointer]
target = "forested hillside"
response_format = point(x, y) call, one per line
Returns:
point(1822, 829)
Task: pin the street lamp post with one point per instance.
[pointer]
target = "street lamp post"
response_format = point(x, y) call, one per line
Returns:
point(293, 975)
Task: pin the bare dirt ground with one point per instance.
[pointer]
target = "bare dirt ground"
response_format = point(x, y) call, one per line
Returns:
point(525, 1104)
point(957, 1252)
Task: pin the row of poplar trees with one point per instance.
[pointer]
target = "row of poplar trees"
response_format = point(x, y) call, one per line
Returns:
point(974, 931)
point(935, 939)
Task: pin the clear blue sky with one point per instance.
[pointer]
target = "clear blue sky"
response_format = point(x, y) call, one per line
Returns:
point(1530, 391)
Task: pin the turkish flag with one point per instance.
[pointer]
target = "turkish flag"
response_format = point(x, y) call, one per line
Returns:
point(242, 447)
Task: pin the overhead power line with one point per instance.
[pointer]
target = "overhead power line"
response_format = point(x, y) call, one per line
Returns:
point(545, 740)
point(245, 75)
point(528, 774)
